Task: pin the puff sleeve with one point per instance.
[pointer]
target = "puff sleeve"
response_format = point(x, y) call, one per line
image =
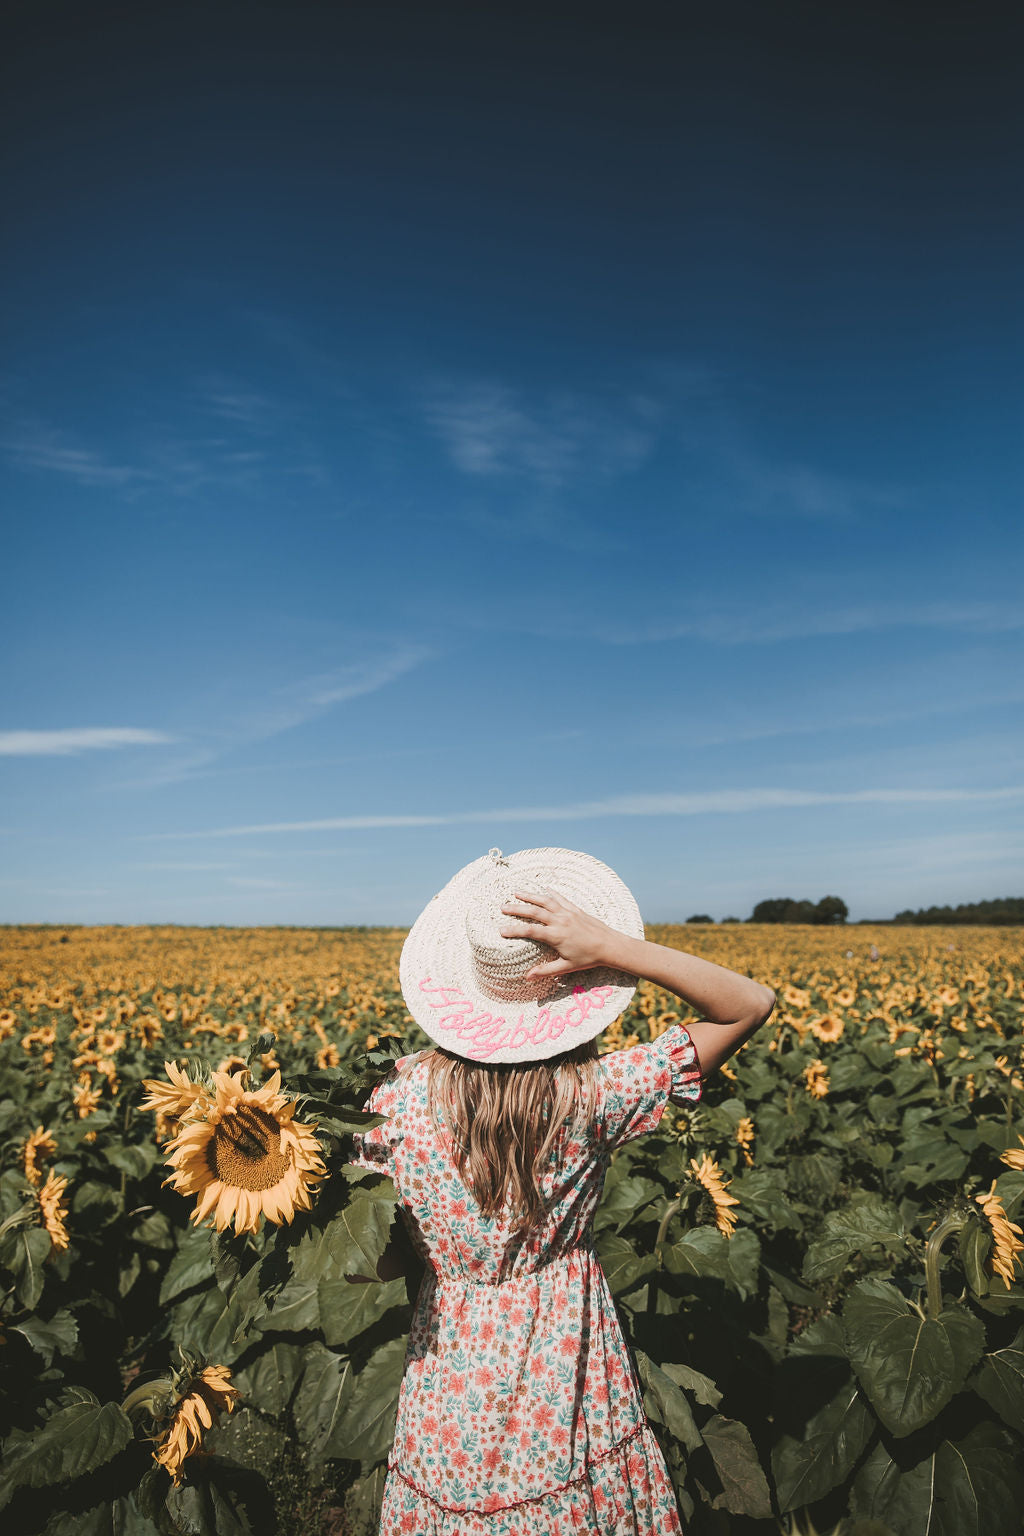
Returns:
point(639, 1082)
point(375, 1148)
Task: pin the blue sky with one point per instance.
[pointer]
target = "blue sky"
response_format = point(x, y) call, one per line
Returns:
point(429, 429)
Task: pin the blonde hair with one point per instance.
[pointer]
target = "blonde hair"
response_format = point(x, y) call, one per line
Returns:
point(506, 1120)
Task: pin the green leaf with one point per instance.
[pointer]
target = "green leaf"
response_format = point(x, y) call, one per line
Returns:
point(367, 1428)
point(192, 1265)
point(135, 1160)
point(702, 1387)
point(623, 1267)
point(968, 1487)
point(294, 1309)
point(347, 1307)
point(744, 1485)
point(321, 1401)
point(268, 1382)
point(73, 1441)
point(665, 1402)
point(353, 1242)
point(999, 1380)
point(46, 1338)
point(855, 1229)
point(623, 1201)
point(808, 1468)
point(28, 1253)
point(707, 1253)
point(909, 1366)
point(762, 1194)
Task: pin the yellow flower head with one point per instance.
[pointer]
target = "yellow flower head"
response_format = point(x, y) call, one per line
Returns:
point(829, 1027)
point(1012, 1158)
point(1005, 1246)
point(204, 1398)
point(744, 1136)
point(708, 1174)
point(246, 1157)
point(816, 1079)
point(40, 1143)
point(51, 1210)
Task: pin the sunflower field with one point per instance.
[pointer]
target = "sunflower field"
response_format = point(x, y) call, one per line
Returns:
point(204, 1307)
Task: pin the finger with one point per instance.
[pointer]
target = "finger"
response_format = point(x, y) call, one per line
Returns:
point(532, 912)
point(535, 898)
point(550, 968)
point(525, 930)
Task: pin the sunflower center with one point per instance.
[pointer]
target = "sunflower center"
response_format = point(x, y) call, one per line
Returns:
point(245, 1150)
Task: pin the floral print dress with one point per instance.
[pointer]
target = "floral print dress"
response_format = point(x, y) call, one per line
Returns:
point(520, 1410)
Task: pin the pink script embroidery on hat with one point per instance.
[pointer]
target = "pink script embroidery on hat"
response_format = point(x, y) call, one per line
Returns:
point(490, 1032)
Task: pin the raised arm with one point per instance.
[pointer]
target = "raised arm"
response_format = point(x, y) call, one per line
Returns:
point(732, 1006)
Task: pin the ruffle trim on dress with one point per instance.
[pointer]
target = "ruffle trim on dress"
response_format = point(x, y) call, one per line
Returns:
point(533, 1498)
point(625, 1491)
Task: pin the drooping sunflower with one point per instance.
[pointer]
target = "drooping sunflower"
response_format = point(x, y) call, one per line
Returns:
point(1012, 1157)
point(51, 1210)
point(1005, 1246)
point(39, 1143)
point(709, 1175)
point(204, 1397)
point(816, 1079)
point(246, 1157)
point(745, 1136)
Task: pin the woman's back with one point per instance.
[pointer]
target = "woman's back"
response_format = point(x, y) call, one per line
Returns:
point(517, 1379)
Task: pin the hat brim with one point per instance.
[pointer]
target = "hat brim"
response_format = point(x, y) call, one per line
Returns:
point(442, 991)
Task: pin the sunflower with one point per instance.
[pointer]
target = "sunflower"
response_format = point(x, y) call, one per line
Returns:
point(204, 1397)
point(40, 1143)
point(816, 1077)
point(86, 1097)
point(246, 1157)
point(51, 1210)
point(181, 1097)
point(1012, 1157)
point(829, 1027)
point(1005, 1247)
point(744, 1136)
point(709, 1175)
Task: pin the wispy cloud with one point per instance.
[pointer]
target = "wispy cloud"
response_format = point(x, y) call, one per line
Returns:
point(285, 708)
point(695, 804)
point(37, 447)
point(66, 743)
point(759, 624)
point(491, 430)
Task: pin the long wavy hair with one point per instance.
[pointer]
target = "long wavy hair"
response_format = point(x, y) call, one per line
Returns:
point(506, 1119)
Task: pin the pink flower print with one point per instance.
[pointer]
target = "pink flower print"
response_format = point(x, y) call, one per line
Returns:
point(458, 1384)
point(544, 1416)
point(460, 1460)
point(429, 1424)
point(568, 1346)
point(485, 1376)
point(449, 1434)
point(485, 1333)
point(492, 1459)
point(459, 1210)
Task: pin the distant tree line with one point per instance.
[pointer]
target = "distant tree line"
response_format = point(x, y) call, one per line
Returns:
point(1005, 911)
point(783, 909)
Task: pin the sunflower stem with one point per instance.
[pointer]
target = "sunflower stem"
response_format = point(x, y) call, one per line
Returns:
point(951, 1222)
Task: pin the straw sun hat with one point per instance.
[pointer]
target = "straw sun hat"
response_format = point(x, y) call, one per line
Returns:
point(465, 984)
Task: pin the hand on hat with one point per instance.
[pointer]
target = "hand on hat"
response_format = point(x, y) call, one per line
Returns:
point(579, 940)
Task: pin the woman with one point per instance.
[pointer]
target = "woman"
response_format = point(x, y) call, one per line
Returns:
point(520, 1409)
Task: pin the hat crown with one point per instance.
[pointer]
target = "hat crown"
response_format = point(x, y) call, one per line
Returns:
point(499, 963)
